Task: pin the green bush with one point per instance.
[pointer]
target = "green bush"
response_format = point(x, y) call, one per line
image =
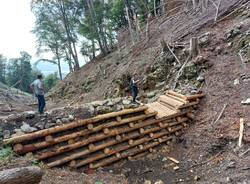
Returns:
point(51, 80)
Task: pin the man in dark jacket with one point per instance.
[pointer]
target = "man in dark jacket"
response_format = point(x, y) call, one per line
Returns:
point(134, 86)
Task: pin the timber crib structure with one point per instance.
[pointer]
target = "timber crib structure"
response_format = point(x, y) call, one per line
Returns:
point(108, 138)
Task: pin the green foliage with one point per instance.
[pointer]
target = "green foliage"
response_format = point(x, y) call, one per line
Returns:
point(19, 72)
point(3, 62)
point(6, 153)
point(51, 80)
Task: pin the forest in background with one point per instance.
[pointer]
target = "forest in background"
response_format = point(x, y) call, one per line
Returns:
point(19, 73)
point(64, 26)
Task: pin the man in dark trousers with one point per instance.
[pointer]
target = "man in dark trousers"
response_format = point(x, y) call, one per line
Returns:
point(38, 89)
point(134, 86)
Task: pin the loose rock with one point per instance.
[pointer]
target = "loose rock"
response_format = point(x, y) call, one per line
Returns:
point(26, 128)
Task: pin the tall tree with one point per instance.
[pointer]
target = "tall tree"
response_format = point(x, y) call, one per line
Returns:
point(19, 72)
point(3, 62)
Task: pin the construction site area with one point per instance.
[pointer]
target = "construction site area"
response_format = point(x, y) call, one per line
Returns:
point(190, 125)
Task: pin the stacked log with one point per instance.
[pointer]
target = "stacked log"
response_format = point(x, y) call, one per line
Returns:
point(108, 138)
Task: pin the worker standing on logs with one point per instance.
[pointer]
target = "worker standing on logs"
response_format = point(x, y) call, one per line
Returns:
point(134, 86)
point(37, 88)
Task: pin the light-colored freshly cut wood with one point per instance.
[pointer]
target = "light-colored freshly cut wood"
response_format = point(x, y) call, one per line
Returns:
point(176, 98)
point(162, 110)
point(173, 160)
point(241, 132)
point(21, 175)
point(49, 131)
point(173, 93)
point(170, 101)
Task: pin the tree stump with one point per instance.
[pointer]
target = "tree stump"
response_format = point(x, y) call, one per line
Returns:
point(21, 175)
point(194, 47)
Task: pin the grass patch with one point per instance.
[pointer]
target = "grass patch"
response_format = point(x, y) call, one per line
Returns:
point(6, 153)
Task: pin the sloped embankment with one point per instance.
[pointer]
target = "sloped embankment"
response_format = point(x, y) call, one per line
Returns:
point(107, 77)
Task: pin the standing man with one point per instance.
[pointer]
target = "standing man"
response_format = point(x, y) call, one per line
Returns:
point(134, 86)
point(38, 89)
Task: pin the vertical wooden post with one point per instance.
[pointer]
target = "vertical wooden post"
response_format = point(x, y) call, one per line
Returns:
point(194, 47)
point(241, 132)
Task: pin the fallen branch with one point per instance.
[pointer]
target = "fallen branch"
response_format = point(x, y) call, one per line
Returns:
point(180, 73)
point(217, 10)
point(245, 152)
point(173, 160)
point(241, 132)
point(218, 118)
point(237, 9)
point(173, 54)
point(209, 160)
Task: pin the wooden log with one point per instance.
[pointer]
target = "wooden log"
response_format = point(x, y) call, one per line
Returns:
point(190, 115)
point(99, 137)
point(131, 142)
point(91, 147)
point(18, 147)
point(106, 131)
point(176, 98)
point(189, 104)
point(168, 105)
point(119, 149)
point(102, 136)
point(21, 175)
point(173, 93)
point(125, 154)
point(141, 130)
point(170, 101)
point(174, 129)
point(118, 155)
point(151, 135)
point(118, 137)
point(71, 141)
point(49, 138)
point(90, 126)
point(194, 97)
point(35, 146)
point(118, 118)
point(72, 125)
point(131, 125)
point(106, 150)
point(72, 163)
point(141, 147)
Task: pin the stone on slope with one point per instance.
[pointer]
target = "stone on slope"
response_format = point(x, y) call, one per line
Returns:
point(26, 128)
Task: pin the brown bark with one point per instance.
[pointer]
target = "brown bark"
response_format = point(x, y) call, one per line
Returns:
point(72, 125)
point(21, 175)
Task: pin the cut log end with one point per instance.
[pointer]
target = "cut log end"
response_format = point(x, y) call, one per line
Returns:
point(18, 148)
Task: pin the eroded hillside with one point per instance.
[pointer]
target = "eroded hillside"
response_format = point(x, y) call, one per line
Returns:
point(108, 77)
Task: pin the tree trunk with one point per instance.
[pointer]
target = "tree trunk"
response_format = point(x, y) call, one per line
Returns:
point(59, 65)
point(155, 8)
point(22, 175)
point(130, 26)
